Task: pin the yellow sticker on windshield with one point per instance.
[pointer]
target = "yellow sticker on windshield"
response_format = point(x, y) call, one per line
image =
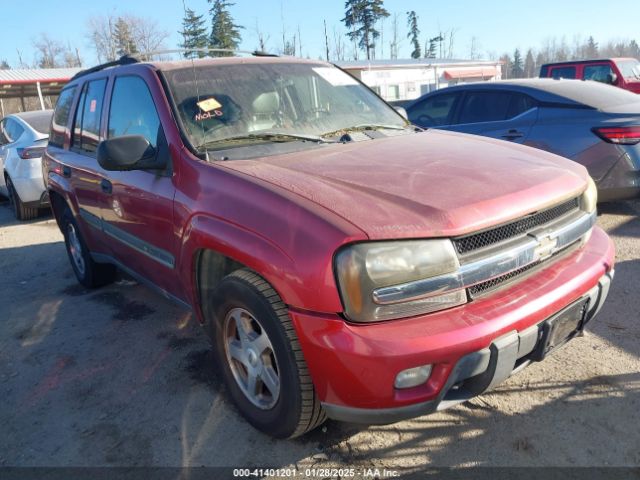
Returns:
point(209, 104)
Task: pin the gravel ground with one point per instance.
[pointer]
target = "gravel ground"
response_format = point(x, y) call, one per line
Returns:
point(121, 377)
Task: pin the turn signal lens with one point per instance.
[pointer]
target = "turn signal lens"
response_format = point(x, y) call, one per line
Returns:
point(589, 197)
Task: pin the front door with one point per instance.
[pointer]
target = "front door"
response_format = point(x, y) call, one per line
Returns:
point(138, 208)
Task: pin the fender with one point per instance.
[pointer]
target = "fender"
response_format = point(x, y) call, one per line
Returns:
point(291, 280)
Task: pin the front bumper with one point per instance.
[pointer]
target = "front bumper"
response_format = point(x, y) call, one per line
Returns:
point(476, 372)
point(353, 367)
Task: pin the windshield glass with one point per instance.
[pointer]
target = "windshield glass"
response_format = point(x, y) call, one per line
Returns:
point(629, 68)
point(243, 101)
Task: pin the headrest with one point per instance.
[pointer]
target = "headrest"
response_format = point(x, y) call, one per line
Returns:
point(267, 102)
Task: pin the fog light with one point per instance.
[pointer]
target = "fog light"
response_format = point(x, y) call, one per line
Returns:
point(412, 377)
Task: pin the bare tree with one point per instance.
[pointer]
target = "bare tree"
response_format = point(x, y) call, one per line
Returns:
point(338, 45)
point(393, 45)
point(474, 49)
point(145, 35)
point(49, 52)
point(263, 38)
point(326, 41)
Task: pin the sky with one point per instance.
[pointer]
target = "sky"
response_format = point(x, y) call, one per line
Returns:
point(498, 26)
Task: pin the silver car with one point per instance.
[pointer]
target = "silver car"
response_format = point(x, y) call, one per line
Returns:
point(23, 138)
point(591, 123)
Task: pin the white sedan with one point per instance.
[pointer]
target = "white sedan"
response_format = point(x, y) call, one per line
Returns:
point(23, 138)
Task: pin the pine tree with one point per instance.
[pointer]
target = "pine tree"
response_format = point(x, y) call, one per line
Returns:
point(529, 65)
point(361, 17)
point(224, 32)
point(194, 34)
point(414, 33)
point(123, 37)
point(592, 48)
point(516, 66)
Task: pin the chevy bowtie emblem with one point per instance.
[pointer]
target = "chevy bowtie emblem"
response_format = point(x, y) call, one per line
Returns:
point(546, 247)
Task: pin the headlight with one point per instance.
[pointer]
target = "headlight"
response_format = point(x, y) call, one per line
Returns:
point(589, 197)
point(365, 267)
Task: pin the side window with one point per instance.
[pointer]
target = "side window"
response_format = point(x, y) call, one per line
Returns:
point(133, 111)
point(435, 111)
point(86, 132)
point(485, 107)
point(61, 117)
point(519, 104)
point(4, 139)
point(11, 130)
point(599, 73)
point(563, 72)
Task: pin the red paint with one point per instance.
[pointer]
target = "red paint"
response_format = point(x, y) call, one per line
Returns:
point(625, 83)
point(286, 216)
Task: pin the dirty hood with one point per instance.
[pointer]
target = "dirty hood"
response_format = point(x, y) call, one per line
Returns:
point(427, 184)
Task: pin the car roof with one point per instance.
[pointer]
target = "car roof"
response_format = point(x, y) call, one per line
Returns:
point(581, 62)
point(570, 92)
point(35, 114)
point(168, 65)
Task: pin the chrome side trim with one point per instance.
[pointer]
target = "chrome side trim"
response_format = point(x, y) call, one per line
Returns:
point(536, 246)
point(159, 255)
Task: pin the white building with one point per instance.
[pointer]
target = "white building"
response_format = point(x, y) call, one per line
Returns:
point(409, 79)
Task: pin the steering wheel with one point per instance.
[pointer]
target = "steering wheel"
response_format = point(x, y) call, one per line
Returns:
point(426, 120)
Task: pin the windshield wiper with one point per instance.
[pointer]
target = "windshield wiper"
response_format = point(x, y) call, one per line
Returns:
point(267, 136)
point(363, 127)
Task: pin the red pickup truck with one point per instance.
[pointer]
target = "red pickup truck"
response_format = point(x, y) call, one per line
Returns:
point(620, 72)
point(343, 262)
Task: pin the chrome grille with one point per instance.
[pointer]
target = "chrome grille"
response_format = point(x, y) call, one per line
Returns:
point(476, 241)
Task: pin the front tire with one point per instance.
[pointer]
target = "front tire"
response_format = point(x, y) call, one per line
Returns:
point(20, 211)
point(88, 272)
point(262, 362)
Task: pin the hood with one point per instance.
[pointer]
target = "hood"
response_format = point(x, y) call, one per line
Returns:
point(633, 85)
point(429, 184)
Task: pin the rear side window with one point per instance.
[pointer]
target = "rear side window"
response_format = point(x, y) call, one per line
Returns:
point(133, 111)
point(485, 107)
point(61, 117)
point(519, 104)
point(563, 72)
point(435, 111)
point(86, 133)
point(11, 130)
point(598, 73)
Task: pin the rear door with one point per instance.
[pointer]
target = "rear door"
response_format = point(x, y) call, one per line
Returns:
point(80, 165)
point(504, 115)
point(563, 71)
point(138, 207)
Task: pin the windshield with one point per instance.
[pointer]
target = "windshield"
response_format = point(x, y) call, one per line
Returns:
point(629, 68)
point(240, 103)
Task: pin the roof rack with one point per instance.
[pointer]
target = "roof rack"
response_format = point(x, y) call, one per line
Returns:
point(255, 53)
point(140, 57)
point(123, 60)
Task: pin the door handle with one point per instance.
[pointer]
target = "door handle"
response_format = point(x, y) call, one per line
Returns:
point(106, 186)
point(66, 171)
point(513, 134)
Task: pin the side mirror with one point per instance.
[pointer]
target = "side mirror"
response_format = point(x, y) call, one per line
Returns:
point(612, 78)
point(402, 112)
point(129, 152)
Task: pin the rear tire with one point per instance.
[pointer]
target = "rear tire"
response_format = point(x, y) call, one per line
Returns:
point(19, 209)
point(284, 403)
point(89, 273)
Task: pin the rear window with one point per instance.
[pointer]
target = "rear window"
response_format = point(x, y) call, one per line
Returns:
point(629, 68)
point(61, 117)
point(563, 72)
point(86, 133)
point(40, 123)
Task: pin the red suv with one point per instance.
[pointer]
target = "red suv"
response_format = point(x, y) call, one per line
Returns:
point(344, 263)
point(621, 72)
